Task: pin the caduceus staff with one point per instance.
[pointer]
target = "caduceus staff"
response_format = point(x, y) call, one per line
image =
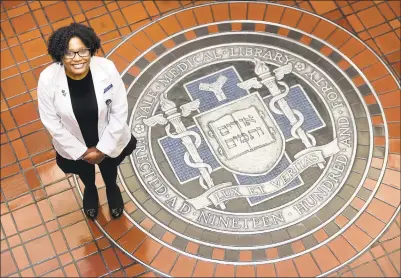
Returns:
point(271, 81)
point(173, 117)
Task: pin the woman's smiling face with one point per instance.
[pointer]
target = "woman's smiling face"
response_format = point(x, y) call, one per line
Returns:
point(76, 59)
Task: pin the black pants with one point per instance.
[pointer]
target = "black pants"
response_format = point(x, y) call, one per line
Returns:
point(86, 171)
point(108, 169)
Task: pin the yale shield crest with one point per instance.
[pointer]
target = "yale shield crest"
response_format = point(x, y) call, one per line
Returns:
point(243, 135)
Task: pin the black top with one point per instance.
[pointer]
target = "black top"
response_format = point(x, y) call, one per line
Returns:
point(84, 105)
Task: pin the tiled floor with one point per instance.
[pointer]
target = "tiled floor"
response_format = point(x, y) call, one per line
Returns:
point(43, 230)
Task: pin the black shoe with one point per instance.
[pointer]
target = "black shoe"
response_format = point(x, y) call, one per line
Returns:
point(115, 199)
point(91, 202)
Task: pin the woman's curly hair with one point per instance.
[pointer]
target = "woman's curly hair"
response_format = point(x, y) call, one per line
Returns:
point(57, 45)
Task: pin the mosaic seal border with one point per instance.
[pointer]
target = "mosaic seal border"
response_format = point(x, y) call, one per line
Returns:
point(237, 35)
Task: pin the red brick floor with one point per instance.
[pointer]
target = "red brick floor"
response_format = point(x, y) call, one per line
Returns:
point(43, 230)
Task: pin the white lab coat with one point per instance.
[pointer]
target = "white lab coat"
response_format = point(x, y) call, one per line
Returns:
point(58, 117)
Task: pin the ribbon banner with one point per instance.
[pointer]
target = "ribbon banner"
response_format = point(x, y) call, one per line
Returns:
point(304, 159)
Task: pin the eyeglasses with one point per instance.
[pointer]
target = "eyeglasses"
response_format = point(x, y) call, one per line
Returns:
point(82, 53)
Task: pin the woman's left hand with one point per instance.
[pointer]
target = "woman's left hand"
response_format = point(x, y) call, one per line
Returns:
point(94, 157)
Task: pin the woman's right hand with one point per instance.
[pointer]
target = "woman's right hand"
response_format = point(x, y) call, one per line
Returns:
point(94, 156)
point(89, 150)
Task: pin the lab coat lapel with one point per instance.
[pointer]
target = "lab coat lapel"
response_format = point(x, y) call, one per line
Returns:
point(100, 80)
point(63, 91)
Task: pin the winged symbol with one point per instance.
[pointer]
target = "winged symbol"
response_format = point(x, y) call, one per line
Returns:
point(281, 71)
point(250, 83)
point(215, 87)
point(156, 119)
point(187, 108)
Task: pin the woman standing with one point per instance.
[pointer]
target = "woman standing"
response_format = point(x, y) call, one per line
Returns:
point(83, 104)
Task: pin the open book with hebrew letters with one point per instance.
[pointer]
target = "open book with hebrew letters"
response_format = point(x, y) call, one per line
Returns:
point(241, 132)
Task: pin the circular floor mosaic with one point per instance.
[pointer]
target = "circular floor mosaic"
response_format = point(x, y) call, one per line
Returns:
point(262, 143)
